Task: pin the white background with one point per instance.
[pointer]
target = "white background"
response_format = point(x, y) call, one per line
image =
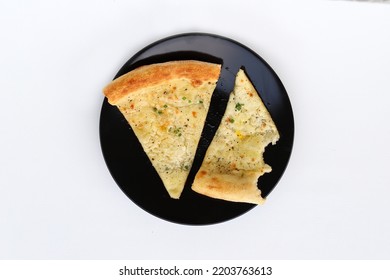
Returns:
point(57, 198)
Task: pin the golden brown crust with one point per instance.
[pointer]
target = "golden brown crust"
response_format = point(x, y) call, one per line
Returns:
point(150, 75)
point(229, 186)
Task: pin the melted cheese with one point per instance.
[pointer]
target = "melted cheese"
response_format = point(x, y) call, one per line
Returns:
point(168, 119)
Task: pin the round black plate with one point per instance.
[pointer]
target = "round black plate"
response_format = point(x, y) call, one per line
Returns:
point(129, 165)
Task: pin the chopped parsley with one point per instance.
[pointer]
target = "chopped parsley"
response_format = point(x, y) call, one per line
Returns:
point(239, 106)
point(157, 110)
point(176, 130)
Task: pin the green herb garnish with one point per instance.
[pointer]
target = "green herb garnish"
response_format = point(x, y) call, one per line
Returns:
point(239, 106)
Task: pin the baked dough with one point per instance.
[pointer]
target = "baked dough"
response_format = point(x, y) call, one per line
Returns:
point(234, 160)
point(166, 106)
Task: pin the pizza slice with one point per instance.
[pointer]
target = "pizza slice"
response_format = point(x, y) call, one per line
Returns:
point(234, 160)
point(166, 106)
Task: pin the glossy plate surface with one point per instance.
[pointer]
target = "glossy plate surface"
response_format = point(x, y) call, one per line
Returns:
point(132, 170)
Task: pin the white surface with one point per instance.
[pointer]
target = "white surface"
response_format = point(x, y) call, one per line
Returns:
point(57, 198)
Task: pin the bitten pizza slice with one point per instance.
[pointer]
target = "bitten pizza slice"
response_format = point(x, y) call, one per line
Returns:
point(234, 160)
point(166, 106)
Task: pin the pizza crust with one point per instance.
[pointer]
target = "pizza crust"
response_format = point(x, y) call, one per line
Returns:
point(197, 72)
point(240, 187)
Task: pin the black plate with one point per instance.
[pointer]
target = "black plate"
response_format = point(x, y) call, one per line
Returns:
point(129, 165)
